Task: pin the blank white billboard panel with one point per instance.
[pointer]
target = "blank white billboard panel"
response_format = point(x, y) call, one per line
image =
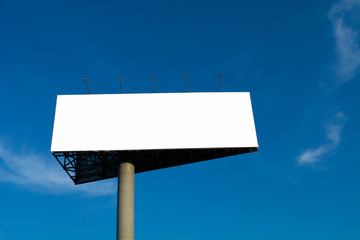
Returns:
point(117, 122)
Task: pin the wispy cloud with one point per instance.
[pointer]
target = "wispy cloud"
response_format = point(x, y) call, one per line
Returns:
point(333, 133)
point(43, 173)
point(347, 40)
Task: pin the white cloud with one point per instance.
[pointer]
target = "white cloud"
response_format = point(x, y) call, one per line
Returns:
point(43, 173)
point(333, 133)
point(347, 40)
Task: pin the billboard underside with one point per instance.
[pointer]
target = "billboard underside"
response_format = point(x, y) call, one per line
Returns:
point(84, 167)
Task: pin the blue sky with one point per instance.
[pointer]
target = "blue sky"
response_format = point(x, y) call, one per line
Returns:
point(299, 59)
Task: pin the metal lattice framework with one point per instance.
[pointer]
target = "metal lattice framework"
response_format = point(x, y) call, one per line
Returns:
point(89, 166)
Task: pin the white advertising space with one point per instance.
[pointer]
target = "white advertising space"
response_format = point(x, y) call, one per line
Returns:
point(117, 122)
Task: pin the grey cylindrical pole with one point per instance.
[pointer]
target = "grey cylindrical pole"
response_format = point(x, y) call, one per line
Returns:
point(125, 214)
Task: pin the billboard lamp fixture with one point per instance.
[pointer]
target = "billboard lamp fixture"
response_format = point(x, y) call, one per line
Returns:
point(120, 84)
point(153, 77)
point(87, 85)
point(219, 82)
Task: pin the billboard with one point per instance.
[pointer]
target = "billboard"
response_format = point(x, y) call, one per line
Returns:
point(152, 130)
point(115, 122)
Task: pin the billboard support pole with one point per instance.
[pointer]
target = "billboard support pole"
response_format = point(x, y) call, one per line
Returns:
point(125, 207)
